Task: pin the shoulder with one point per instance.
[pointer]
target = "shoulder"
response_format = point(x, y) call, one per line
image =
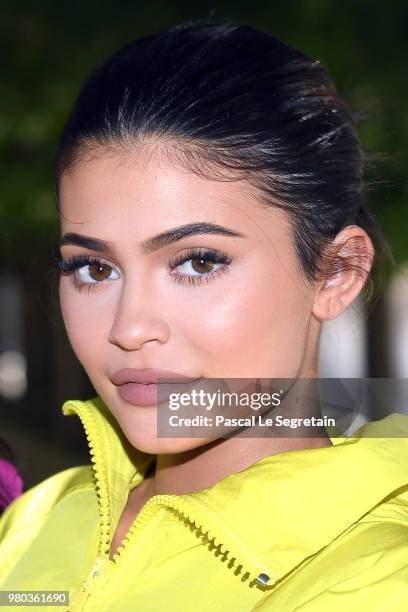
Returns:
point(36, 503)
point(364, 568)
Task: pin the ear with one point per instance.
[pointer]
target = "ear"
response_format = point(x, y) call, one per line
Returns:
point(350, 256)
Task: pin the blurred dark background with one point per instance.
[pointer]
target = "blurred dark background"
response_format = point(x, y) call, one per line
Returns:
point(48, 50)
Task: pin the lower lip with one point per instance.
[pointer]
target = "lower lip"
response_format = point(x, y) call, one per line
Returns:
point(139, 394)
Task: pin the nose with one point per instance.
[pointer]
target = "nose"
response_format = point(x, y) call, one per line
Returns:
point(138, 319)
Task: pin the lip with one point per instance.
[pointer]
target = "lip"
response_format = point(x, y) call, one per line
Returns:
point(148, 376)
point(141, 387)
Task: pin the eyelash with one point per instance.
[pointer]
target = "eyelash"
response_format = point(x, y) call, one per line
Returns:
point(76, 262)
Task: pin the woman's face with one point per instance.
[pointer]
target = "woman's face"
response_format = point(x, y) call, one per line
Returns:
point(245, 315)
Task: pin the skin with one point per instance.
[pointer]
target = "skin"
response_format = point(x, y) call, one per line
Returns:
point(261, 319)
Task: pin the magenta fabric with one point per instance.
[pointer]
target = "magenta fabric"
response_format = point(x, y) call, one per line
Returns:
point(11, 484)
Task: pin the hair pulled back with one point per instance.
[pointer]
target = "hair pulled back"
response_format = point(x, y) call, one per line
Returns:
point(229, 103)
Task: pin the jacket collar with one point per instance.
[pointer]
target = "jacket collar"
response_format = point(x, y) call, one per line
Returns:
point(273, 514)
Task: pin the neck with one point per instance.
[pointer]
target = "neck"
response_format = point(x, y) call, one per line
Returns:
point(190, 470)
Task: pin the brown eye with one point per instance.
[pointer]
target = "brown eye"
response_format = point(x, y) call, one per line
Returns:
point(99, 271)
point(94, 272)
point(87, 271)
point(196, 266)
point(201, 265)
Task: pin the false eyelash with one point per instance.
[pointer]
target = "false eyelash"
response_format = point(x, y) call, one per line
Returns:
point(209, 255)
point(69, 267)
point(77, 261)
point(71, 264)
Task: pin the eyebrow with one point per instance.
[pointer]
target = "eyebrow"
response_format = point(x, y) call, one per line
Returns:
point(154, 243)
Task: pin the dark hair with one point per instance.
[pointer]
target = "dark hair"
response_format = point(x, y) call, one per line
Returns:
point(232, 102)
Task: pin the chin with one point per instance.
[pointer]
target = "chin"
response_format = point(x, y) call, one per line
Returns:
point(139, 426)
point(164, 446)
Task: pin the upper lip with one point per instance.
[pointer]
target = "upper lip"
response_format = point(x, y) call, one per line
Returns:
point(148, 376)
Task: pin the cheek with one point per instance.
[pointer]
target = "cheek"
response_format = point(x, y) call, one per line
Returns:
point(84, 323)
point(252, 328)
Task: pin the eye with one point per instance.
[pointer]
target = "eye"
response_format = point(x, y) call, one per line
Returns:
point(94, 272)
point(198, 265)
point(87, 270)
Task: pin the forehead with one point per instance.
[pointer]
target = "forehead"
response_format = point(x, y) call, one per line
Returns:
point(134, 191)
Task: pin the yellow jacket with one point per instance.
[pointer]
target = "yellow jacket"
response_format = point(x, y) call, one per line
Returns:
point(322, 530)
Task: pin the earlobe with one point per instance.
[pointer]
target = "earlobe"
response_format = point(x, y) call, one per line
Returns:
point(337, 293)
point(332, 294)
point(326, 305)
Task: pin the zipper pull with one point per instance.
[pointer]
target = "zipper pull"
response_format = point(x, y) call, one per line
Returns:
point(96, 571)
point(81, 596)
point(262, 579)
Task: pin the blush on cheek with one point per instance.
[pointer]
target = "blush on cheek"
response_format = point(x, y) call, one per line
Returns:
point(256, 332)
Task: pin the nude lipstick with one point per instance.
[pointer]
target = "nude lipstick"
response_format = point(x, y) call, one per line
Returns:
point(142, 387)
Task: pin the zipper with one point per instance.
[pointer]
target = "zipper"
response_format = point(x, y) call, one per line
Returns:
point(255, 570)
point(184, 507)
point(101, 479)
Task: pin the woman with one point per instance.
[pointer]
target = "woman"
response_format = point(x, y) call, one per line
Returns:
point(210, 191)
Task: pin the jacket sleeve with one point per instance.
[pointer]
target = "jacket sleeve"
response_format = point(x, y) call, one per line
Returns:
point(391, 593)
point(368, 573)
